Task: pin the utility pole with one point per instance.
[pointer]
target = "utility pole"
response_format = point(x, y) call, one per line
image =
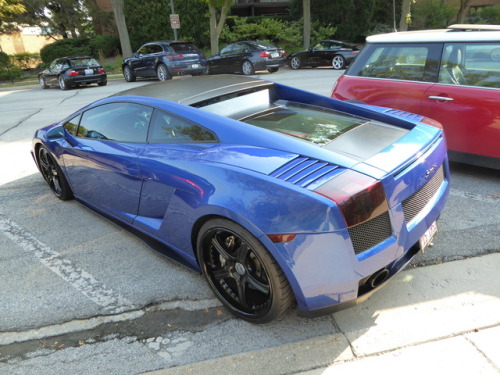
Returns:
point(172, 15)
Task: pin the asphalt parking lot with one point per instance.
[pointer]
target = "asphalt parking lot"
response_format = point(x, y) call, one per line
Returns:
point(81, 295)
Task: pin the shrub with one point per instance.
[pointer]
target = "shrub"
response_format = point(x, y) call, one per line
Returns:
point(26, 60)
point(65, 47)
point(105, 45)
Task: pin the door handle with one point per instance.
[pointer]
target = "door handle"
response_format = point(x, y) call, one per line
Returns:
point(443, 98)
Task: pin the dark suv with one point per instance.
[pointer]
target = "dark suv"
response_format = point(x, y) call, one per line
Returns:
point(164, 59)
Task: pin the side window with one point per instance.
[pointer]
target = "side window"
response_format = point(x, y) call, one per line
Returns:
point(72, 125)
point(412, 62)
point(227, 49)
point(472, 64)
point(168, 128)
point(121, 122)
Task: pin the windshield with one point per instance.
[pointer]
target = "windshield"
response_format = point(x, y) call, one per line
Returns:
point(314, 124)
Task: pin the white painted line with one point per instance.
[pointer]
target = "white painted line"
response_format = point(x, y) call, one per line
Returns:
point(78, 278)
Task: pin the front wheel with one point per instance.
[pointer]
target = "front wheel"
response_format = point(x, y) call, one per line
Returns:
point(247, 68)
point(162, 73)
point(52, 173)
point(242, 273)
point(295, 62)
point(128, 74)
point(338, 62)
point(42, 82)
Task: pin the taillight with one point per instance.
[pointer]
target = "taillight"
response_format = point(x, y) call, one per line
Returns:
point(175, 56)
point(265, 54)
point(73, 73)
point(283, 52)
point(358, 196)
point(101, 71)
point(429, 121)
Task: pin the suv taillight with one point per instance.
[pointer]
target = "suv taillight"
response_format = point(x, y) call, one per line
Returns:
point(359, 197)
point(175, 56)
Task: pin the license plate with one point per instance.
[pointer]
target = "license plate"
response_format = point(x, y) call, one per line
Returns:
point(426, 239)
point(275, 55)
point(195, 66)
point(89, 72)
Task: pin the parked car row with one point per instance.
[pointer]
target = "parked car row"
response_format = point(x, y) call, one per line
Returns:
point(165, 59)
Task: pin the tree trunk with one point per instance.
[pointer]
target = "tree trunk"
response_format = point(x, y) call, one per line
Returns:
point(307, 22)
point(462, 12)
point(405, 15)
point(216, 27)
point(121, 25)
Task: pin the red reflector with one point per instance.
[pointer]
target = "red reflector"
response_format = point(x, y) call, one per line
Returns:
point(73, 73)
point(278, 238)
point(358, 196)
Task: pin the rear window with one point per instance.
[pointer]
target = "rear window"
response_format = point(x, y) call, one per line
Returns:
point(83, 63)
point(411, 62)
point(314, 124)
point(179, 47)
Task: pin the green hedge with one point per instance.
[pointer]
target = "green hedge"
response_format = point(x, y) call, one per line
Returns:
point(98, 46)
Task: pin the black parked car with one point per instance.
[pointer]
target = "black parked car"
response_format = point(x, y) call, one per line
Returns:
point(164, 59)
point(246, 57)
point(73, 71)
point(324, 53)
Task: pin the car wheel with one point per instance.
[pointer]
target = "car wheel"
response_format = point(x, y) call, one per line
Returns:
point(52, 173)
point(43, 84)
point(495, 54)
point(102, 83)
point(63, 84)
point(338, 62)
point(128, 74)
point(295, 62)
point(162, 73)
point(242, 273)
point(272, 70)
point(247, 68)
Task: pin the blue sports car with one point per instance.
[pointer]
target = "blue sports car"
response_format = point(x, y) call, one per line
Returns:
point(277, 195)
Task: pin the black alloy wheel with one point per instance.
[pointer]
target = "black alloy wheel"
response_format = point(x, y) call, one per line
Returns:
point(52, 173)
point(242, 273)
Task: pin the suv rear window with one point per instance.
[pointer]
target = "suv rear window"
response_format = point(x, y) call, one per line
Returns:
point(179, 47)
point(413, 62)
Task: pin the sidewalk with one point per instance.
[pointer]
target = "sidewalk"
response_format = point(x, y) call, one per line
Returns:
point(442, 319)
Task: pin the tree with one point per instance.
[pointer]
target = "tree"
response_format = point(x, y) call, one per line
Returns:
point(306, 6)
point(121, 25)
point(405, 15)
point(9, 9)
point(462, 11)
point(218, 10)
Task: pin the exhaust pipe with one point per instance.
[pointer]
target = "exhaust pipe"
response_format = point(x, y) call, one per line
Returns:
point(378, 278)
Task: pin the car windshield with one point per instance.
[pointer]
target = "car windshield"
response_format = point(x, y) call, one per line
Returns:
point(83, 63)
point(314, 124)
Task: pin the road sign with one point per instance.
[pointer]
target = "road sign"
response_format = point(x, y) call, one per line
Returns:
point(175, 22)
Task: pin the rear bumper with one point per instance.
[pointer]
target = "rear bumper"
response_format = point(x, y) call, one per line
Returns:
point(88, 79)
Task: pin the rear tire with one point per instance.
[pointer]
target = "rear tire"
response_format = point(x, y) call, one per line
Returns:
point(272, 70)
point(102, 83)
point(162, 73)
point(338, 62)
point(63, 84)
point(242, 273)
